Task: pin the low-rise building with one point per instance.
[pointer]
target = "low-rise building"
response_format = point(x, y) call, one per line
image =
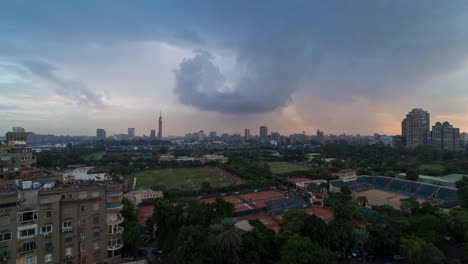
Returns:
point(143, 196)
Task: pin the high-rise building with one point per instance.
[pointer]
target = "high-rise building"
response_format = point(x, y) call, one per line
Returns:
point(160, 132)
point(100, 133)
point(153, 134)
point(55, 221)
point(131, 132)
point(18, 130)
point(445, 136)
point(415, 128)
point(247, 135)
point(263, 133)
point(213, 134)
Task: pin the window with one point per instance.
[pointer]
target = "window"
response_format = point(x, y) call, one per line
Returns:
point(96, 232)
point(70, 196)
point(29, 260)
point(46, 229)
point(82, 247)
point(83, 234)
point(27, 231)
point(29, 246)
point(96, 245)
point(83, 260)
point(96, 219)
point(68, 251)
point(48, 213)
point(5, 236)
point(82, 208)
point(95, 194)
point(27, 216)
point(67, 224)
point(48, 258)
point(95, 206)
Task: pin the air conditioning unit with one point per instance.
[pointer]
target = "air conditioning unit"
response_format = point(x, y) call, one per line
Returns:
point(46, 235)
point(70, 257)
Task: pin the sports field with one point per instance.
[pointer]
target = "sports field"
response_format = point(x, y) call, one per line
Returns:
point(94, 156)
point(284, 167)
point(184, 178)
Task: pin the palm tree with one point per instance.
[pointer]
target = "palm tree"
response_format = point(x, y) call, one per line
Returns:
point(228, 241)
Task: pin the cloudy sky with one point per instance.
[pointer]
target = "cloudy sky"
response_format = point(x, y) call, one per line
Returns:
point(69, 67)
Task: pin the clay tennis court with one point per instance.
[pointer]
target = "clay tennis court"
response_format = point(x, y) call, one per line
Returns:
point(267, 220)
point(379, 197)
point(144, 213)
point(323, 213)
point(259, 199)
point(239, 205)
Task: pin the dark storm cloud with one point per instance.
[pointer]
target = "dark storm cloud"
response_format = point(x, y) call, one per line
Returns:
point(75, 90)
point(332, 49)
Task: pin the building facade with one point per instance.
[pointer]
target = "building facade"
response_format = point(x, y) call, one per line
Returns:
point(131, 132)
point(263, 134)
point(445, 137)
point(160, 127)
point(247, 135)
point(43, 220)
point(415, 128)
point(100, 133)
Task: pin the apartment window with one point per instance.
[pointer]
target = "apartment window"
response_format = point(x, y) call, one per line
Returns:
point(68, 251)
point(29, 260)
point(29, 246)
point(70, 196)
point(5, 236)
point(95, 206)
point(95, 194)
point(48, 258)
point(82, 247)
point(96, 232)
point(67, 224)
point(82, 195)
point(27, 231)
point(46, 229)
point(96, 219)
point(82, 208)
point(48, 213)
point(83, 234)
point(27, 216)
point(83, 260)
point(96, 245)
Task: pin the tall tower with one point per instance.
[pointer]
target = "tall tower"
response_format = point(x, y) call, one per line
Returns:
point(160, 136)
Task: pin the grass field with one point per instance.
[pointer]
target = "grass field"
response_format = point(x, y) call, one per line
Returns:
point(284, 167)
point(94, 156)
point(431, 167)
point(183, 178)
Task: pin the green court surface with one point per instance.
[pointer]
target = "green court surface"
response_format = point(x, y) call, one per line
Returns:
point(284, 167)
point(182, 178)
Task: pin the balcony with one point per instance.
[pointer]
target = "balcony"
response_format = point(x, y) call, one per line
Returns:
point(114, 206)
point(116, 220)
point(115, 247)
point(119, 230)
point(67, 229)
point(114, 194)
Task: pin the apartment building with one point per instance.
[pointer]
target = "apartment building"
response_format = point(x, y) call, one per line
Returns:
point(49, 221)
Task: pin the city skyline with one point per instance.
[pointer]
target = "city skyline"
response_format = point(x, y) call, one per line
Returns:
point(347, 68)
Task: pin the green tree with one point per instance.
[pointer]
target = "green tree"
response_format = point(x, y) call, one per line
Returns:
point(228, 242)
point(258, 245)
point(293, 222)
point(463, 196)
point(412, 175)
point(192, 246)
point(417, 251)
point(301, 250)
